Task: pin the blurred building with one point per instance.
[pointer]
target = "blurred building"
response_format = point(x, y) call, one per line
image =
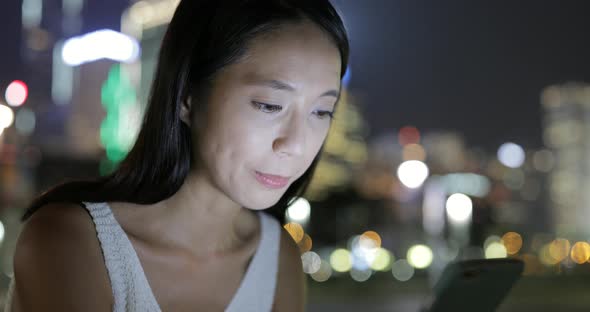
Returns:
point(567, 134)
point(45, 25)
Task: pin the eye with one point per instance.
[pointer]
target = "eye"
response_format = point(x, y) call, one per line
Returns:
point(267, 108)
point(324, 114)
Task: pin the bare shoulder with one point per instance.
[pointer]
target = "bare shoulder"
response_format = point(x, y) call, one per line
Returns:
point(291, 289)
point(58, 263)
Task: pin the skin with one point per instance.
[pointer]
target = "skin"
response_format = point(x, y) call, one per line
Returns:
point(296, 68)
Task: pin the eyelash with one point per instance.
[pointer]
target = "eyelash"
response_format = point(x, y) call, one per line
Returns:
point(271, 108)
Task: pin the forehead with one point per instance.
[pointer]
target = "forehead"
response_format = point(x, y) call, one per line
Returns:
point(300, 54)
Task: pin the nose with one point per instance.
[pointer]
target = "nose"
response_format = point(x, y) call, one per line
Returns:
point(291, 141)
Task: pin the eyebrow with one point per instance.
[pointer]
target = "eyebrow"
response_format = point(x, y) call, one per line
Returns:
point(283, 86)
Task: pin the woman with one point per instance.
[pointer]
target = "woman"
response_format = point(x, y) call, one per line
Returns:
point(240, 107)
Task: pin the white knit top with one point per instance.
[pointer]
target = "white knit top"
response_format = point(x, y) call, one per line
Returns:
point(131, 290)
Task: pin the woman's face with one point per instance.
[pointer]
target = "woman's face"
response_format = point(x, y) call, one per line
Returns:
point(269, 114)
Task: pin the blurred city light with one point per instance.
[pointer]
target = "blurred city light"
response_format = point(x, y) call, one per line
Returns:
point(361, 275)
point(580, 252)
point(408, 135)
point(6, 116)
point(420, 256)
point(370, 240)
point(72, 7)
point(311, 262)
point(466, 183)
point(353, 242)
point(544, 160)
point(119, 128)
point(324, 273)
point(341, 260)
point(511, 155)
point(295, 230)
point(361, 256)
point(412, 173)
point(559, 249)
point(25, 121)
point(491, 239)
point(16, 93)
point(141, 12)
point(402, 270)
point(62, 77)
point(2, 232)
point(433, 203)
point(495, 250)
point(414, 152)
point(459, 208)
point(305, 244)
point(32, 12)
point(100, 44)
point(149, 14)
point(299, 210)
point(514, 179)
point(513, 242)
point(545, 256)
point(382, 260)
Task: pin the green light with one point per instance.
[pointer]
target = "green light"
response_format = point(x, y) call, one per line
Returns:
point(119, 128)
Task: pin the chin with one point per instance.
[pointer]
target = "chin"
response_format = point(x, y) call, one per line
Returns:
point(261, 203)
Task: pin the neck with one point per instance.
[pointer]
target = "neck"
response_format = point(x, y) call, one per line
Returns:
point(202, 219)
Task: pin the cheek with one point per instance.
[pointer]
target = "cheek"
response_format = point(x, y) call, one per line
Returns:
point(243, 143)
point(315, 140)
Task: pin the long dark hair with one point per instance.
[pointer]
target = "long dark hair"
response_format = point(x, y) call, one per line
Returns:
point(202, 38)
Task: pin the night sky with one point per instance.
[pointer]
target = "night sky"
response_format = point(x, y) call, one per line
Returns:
point(476, 67)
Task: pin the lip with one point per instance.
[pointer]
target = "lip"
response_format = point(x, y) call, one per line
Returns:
point(272, 181)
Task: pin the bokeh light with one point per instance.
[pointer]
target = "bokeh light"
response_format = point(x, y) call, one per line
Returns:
point(459, 208)
point(305, 244)
point(467, 183)
point(414, 152)
point(511, 155)
point(341, 260)
point(104, 43)
point(580, 252)
point(25, 121)
point(324, 273)
point(491, 239)
point(295, 230)
point(382, 261)
point(544, 160)
point(2, 232)
point(559, 249)
point(311, 262)
point(16, 93)
point(370, 239)
point(408, 135)
point(361, 255)
point(412, 173)
point(545, 256)
point(360, 275)
point(6, 116)
point(514, 179)
point(402, 270)
point(495, 250)
point(512, 241)
point(299, 210)
point(420, 256)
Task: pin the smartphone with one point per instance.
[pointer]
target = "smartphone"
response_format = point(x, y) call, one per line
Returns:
point(474, 285)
